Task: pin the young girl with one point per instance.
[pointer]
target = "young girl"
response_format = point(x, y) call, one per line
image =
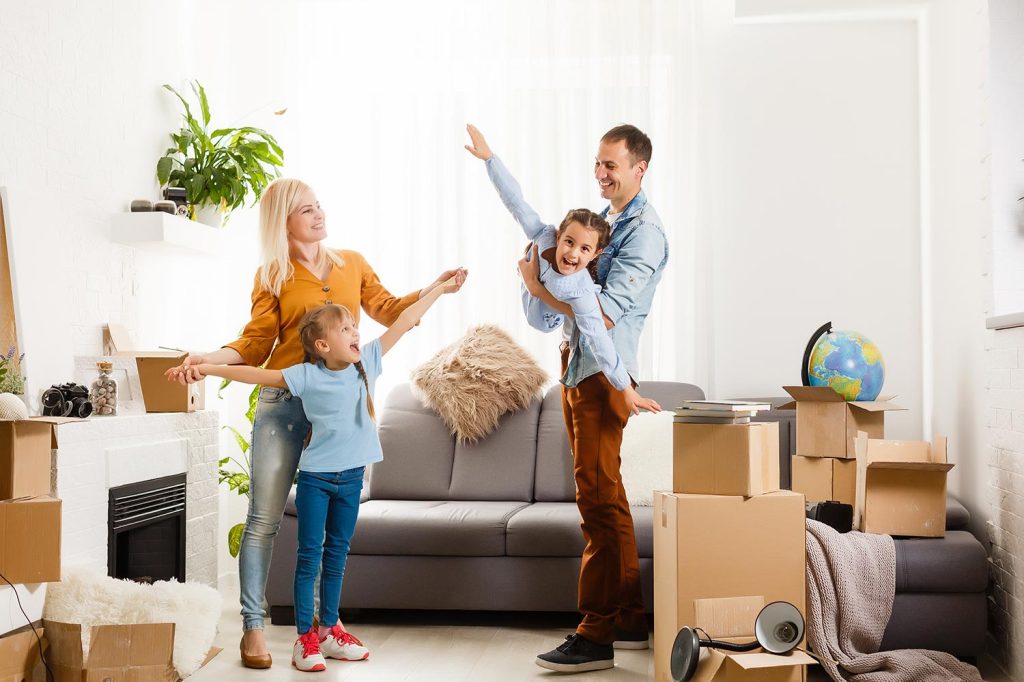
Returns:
point(566, 258)
point(335, 384)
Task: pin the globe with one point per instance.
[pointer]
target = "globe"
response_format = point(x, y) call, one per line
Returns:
point(849, 363)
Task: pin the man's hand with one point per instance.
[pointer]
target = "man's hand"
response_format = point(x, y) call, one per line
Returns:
point(479, 148)
point(458, 274)
point(529, 268)
point(636, 402)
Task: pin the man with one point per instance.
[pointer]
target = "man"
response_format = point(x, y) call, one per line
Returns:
point(629, 270)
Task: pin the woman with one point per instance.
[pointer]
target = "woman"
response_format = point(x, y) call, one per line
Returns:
point(297, 274)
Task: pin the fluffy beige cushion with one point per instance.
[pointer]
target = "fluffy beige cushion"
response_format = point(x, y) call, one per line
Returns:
point(477, 379)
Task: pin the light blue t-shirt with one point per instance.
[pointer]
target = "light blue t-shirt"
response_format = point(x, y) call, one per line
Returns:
point(344, 436)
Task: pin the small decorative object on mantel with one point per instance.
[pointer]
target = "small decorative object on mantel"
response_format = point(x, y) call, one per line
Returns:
point(218, 169)
point(67, 400)
point(141, 205)
point(166, 207)
point(104, 390)
point(12, 407)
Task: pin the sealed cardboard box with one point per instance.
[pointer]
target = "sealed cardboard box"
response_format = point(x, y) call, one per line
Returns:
point(716, 546)
point(30, 540)
point(826, 424)
point(19, 654)
point(901, 487)
point(25, 449)
point(159, 394)
point(725, 459)
point(825, 478)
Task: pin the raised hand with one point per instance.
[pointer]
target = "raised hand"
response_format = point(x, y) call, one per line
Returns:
point(479, 147)
point(458, 274)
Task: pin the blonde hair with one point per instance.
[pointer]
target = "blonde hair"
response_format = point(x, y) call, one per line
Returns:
point(280, 200)
point(314, 326)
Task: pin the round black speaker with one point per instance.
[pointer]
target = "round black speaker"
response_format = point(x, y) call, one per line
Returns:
point(685, 655)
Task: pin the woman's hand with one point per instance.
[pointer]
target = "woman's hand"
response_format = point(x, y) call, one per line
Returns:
point(459, 276)
point(636, 402)
point(529, 268)
point(479, 148)
point(188, 371)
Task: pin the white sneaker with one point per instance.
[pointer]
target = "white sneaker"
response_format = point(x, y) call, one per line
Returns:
point(343, 646)
point(306, 654)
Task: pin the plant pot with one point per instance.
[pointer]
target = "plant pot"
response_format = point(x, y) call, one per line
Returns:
point(208, 214)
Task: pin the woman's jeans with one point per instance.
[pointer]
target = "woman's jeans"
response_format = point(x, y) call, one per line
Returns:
point(278, 433)
point(328, 505)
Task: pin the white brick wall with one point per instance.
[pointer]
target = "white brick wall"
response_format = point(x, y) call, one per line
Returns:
point(1005, 460)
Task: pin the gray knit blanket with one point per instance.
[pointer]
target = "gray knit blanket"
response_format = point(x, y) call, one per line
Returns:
point(851, 583)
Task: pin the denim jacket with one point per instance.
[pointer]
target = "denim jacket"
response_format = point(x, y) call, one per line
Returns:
point(629, 270)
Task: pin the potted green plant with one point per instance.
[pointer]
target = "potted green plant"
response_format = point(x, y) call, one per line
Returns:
point(12, 386)
point(219, 169)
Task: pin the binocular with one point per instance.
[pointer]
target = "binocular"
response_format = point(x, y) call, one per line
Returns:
point(67, 400)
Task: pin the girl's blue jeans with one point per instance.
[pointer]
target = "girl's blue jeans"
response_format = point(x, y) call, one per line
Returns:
point(278, 433)
point(328, 505)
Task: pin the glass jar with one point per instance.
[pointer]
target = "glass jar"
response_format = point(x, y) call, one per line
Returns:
point(104, 390)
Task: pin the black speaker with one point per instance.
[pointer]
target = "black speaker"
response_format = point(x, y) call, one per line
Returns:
point(779, 628)
point(834, 514)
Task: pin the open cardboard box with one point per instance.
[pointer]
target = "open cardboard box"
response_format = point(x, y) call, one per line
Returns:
point(26, 449)
point(717, 546)
point(19, 654)
point(901, 486)
point(825, 478)
point(30, 540)
point(826, 424)
point(129, 653)
point(159, 394)
point(725, 459)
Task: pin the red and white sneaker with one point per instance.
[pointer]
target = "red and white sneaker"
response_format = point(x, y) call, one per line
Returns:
point(306, 654)
point(342, 645)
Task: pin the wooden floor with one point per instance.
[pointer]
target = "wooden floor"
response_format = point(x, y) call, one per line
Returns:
point(432, 646)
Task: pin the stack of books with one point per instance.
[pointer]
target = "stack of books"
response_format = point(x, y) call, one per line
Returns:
point(718, 411)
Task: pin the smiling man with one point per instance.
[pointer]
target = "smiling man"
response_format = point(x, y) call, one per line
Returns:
point(629, 270)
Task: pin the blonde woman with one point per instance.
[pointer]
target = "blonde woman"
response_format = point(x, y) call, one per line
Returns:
point(298, 274)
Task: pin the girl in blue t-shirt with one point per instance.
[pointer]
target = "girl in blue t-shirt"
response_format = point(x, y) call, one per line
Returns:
point(335, 384)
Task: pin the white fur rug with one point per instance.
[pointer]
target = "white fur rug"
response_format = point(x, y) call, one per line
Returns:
point(89, 598)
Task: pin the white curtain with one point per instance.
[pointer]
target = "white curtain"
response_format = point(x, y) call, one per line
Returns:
point(378, 95)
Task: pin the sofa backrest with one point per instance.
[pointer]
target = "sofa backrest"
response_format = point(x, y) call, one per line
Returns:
point(555, 481)
point(422, 461)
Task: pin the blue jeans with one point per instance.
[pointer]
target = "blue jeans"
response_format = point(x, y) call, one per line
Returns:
point(328, 505)
point(278, 433)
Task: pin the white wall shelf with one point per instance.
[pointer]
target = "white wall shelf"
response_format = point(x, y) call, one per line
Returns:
point(159, 231)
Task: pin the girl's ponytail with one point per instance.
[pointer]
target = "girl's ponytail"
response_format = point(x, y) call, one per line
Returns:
point(369, 398)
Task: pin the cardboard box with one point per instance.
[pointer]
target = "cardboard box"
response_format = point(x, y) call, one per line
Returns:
point(825, 478)
point(901, 487)
point(159, 394)
point(826, 424)
point(26, 447)
point(30, 540)
point(716, 546)
point(720, 666)
point(19, 654)
point(128, 653)
point(725, 459)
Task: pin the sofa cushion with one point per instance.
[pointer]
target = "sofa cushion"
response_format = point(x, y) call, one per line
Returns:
point(432, 528)
point(552, 529)
point(957, 516)
point(955, 563)
point(554, 478)
point(422, 461)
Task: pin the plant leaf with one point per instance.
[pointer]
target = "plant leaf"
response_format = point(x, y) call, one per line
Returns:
point(235, 539)
point(163, 170)
point(203, 102)
point(243, 444)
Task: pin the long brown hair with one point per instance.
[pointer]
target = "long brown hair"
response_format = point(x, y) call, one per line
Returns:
point(314, 326)
point(591, 221)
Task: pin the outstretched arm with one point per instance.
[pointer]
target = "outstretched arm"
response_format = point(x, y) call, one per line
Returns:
point(508, 189)
point(411, 315)
point(244, 374)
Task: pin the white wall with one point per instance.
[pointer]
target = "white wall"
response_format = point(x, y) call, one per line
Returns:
point(1006, 96)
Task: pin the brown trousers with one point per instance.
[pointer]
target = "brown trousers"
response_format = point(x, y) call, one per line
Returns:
point(609, 594)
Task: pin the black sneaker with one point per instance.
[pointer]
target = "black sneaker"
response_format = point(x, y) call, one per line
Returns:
point(631, 640)
point(577, 655)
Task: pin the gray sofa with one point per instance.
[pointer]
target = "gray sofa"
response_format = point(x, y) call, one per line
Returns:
point(489, 526)
point(494, 526)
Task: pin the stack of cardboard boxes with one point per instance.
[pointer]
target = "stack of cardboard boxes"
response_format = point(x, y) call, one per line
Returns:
point(895, 487)
point(726, 542)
